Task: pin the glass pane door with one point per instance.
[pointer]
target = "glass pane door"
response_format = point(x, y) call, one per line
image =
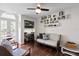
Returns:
point(3, 28)
point(13, 29)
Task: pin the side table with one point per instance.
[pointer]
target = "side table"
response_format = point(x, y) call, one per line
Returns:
point(70, 51)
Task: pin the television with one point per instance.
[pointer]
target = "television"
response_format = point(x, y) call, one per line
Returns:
point(28, 24)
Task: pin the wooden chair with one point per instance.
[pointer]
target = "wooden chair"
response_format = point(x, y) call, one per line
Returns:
point(17, 51)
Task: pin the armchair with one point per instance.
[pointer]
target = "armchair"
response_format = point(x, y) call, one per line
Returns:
point(15, 52)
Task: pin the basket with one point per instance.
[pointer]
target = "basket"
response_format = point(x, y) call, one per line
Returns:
point(70, 45)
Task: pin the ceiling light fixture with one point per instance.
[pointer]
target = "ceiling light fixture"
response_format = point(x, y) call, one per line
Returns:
point(38, 10)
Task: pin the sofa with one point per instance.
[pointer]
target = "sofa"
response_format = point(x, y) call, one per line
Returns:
point(51, 39)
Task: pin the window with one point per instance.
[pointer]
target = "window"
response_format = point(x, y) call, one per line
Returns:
point(13, 28)
point(9, 16)
point(7, 25)
point(3, 28)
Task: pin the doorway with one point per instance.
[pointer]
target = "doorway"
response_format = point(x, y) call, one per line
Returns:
point(29, 31)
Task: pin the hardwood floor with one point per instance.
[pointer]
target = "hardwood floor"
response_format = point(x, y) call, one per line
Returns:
point(41, 50)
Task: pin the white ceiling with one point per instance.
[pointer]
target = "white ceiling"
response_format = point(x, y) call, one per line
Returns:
point(21, 8)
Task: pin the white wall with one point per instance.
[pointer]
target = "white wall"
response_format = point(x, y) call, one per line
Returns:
point(69, 27)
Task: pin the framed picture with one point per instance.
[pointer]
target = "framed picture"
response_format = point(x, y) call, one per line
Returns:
point(49, 16)
point(63, 17)
point(59, 18)
point(54, 15)
point(54, 19)
point(45, 17)
point(45, 21)
point(61, 13)
point(41, 21)
point(52, 22)
point(28, 24)
point(51, 19)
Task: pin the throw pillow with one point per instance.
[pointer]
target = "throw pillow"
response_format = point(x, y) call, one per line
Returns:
point(41, 35)
point(45, 37)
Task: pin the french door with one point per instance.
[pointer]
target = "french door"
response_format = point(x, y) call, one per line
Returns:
point(3, 28)
point(7, 28)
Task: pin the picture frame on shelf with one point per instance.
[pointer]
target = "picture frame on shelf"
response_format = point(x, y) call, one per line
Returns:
point(54, 15)
point(45, 22)
point(41, 21)
point(51, 19)
point(49, 16)
point(44, 17)
point(54, 19)
point(61, 13)
point(59, 18)
point(63, 17)
point(52, 22)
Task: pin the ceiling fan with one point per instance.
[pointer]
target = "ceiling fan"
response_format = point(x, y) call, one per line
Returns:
point(38, 9)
